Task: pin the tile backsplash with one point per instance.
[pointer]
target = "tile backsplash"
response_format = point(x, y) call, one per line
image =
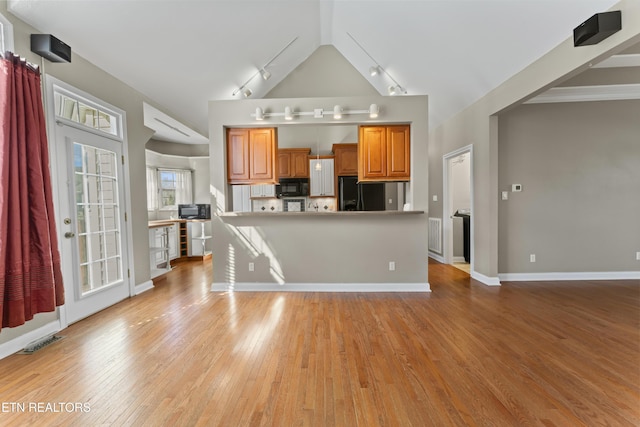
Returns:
point(320, 204)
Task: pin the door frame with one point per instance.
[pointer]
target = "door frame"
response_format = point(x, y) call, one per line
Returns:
point(447, 196)
point(53, 123)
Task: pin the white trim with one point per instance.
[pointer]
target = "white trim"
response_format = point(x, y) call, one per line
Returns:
point(143, 287)
point(447, 223)
point(618, 61)
point(588, 275)
point(20, 342)
point(489, 281)
point(437, 257)
point(6, 35)
point(321, 287)
point(588, 93)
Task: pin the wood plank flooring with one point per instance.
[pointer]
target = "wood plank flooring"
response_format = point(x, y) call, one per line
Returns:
point(540, 354)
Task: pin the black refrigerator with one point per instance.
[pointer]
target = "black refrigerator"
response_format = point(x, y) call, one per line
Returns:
point(359, 197)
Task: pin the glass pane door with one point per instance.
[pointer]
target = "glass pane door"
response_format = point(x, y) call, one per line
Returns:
point(97, 215)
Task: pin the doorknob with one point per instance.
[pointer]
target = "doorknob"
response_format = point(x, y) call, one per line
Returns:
point(69, 234)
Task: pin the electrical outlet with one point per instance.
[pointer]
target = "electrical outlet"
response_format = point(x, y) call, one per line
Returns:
point(505, 195)
point(392, 266)
point(251, 266)
point(390, 201)
point(637, 256)
point(435, 198)
point(532, 258)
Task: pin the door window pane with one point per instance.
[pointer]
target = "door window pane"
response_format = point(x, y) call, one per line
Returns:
point(97, 215)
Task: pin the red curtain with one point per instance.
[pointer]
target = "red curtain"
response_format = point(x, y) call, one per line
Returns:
point(30, 274)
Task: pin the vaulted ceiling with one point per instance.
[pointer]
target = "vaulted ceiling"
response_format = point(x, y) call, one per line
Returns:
point(183, 53)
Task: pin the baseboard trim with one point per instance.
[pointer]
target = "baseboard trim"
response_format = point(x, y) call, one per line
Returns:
point(321, 287)
point(589, 275)
point(489, 281)
point(437, 257)
point(20, 342)
point(143, 287)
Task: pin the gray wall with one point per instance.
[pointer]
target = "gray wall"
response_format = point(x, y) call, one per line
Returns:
point(478, 125)
point(579, 166)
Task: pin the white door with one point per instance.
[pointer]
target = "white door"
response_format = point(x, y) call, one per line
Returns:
point(91, 221)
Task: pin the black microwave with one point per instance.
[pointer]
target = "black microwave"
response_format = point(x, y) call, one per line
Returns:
point(292, 187)
point(198, 211)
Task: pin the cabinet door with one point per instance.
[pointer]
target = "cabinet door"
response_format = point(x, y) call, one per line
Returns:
point(241, 198)
point(263, 190)
point(398, 149)
point(321, 182)
point(284, 165)
point(315, 178)
point(300, 164)
point(173, 241)
point(328, 180)
point(372, 147)
point(346, 160)
point(237, 155)
point(262, 149)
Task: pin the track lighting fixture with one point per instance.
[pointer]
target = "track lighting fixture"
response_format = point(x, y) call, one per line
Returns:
point(262, 71)
point(377, 70)
point(317, 113)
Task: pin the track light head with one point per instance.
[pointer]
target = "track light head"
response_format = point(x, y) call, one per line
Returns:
point(375, 70)
point(337, 112)
point(259, 114)
point(373, 111)
point(288, 114)
point(247, 92)
point(265, 74)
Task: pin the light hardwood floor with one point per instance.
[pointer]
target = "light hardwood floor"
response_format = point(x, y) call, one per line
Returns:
point(548, 354)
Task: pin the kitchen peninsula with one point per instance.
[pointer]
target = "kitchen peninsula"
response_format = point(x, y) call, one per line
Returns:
point(328, 249)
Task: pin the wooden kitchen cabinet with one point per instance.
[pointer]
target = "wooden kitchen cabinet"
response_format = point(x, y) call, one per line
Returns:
point(251, 156)
point(293, 162)
point(346, 161)
point(384, 153)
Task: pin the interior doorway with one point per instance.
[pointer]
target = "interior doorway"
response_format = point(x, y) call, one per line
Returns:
point(457, 219)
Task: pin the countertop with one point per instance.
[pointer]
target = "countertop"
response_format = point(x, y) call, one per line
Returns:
point(313, 213)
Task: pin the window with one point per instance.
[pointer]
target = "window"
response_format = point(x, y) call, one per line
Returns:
point(168, 188)
point(6, 35)
point(71, 107)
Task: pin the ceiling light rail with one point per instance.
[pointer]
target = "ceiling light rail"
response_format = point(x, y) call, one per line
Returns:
point(377, 70)
point(337, 112)
point(262, 71)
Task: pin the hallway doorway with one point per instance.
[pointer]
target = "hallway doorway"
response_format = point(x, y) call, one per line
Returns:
point(458, 202)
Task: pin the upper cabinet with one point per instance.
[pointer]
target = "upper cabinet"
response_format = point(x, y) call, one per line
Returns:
point(384, 153)
point(251, 156)
point(322, 181)
point(293, 162)
point(346, 156)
